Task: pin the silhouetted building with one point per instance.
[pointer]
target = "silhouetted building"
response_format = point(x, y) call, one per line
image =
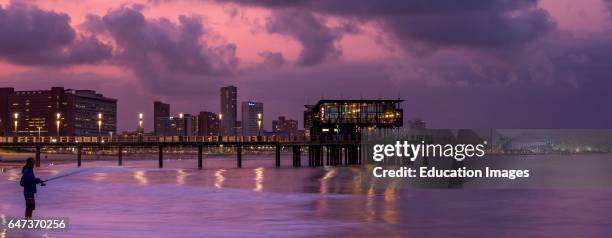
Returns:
point(191, 125)
point(183, 125)
point(252, 118)
point(285, 127)
point(344, 119)
point(208, 124)
point(170, 126)
point(88, 105)
point(160, 110)
point(228, 110)
point(59, 111)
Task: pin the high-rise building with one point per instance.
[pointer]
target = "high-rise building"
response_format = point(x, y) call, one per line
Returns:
point(191, 125)
point(285, 127)
point(252, 118)
point(228, 112)
point(183, 125)
point(59, 111)
point(208, 124)
point(160, 111)
point(87, 105)
point(170, 126)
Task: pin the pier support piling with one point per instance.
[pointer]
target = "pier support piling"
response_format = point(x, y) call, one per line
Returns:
point(120, 155)
point(327, 154)
point(239, 155)
point(358, 152)
point(79, 152)
point(161, 156)
point(277, 155)
point(38, 156)
point(199, 156)
point(310, 156)
point(297, 156)
point(318, 155)
point(334, 155)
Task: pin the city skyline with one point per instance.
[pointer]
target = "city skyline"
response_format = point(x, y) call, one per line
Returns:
point(495, 63)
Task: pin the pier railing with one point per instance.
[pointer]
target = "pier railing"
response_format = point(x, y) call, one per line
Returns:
point(171, 139)
point(153, 139)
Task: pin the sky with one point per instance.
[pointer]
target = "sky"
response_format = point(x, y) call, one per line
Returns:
point(457, 64)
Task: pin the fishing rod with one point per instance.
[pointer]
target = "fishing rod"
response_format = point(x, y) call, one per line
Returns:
point(66, 175)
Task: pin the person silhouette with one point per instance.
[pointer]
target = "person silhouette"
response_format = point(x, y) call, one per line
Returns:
point(28, 182)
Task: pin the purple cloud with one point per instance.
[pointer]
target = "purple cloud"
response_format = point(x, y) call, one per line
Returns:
point(318, 40)
point(431, 24)
point(164, 54)
point(476, 42)
point(608, 4)
point(32, 36)
point(272, 59)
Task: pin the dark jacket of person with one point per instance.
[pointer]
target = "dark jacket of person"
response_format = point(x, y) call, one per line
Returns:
point(29, 181)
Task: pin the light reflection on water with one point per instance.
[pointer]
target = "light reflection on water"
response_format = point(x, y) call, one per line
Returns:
point(391, 194)
point(14, 176)
point(259, 176)
point(180, 177)
point(99, 177)
point(329, 174)
point(140, 177)
point(219, 178)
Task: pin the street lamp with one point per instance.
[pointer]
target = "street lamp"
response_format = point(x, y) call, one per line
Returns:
point(38, 133)
point(220, 124)
point(99, 124)
point(58, 118)
point(180, 125)
point(259, 124)
point(140, 128)
point(16, 116)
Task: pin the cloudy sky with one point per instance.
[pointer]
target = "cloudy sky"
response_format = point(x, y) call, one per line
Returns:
point(458, 64)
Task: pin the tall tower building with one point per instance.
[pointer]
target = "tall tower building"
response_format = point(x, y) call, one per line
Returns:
point(161, 111)
point(228, 112)
point(252, 118)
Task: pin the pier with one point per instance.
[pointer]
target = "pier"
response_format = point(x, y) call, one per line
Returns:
point(320, 151)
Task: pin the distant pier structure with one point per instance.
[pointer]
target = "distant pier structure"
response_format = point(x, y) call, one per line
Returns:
point(337, 120)
point(332, 121)
point(333, 132)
